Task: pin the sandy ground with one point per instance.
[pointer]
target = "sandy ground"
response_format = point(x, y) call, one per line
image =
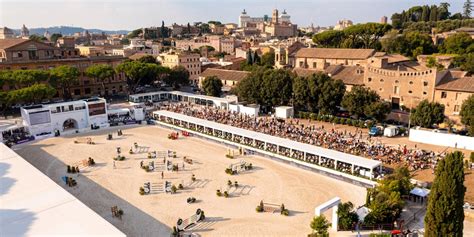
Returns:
point(102, 186)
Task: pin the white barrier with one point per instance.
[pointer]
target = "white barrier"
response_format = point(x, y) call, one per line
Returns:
point(442, 139)
point(359, 180)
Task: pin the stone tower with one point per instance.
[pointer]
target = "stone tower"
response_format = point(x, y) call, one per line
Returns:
point(275, 17)
point(25, 33)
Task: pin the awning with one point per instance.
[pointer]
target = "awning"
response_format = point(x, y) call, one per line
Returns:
point(421, 192)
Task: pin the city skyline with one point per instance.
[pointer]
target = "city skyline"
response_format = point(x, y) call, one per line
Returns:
point(125, 15)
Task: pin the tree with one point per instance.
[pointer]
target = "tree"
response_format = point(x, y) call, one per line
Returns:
point(248, 89)
point(164, 30)
point(178, 76)
point(358, 99)
point(249, 57)
point(331, 94)
point(410, 44)
point(385, 200)
point(378, 110)
point(467, 114)
point(138, 73)
point(320, 226)
point(38, 38)
point(101, 72)
point(276, 87)
point(268, 59)
point(55, 37)
point(135, 33)
point(465, 62)
point(267, 87)
point(365, 35)
point(445, 214)
point(148, 59)
point(124, 41)
point(64, 77)
point(329, 39)
point(256, 58)
point(212, 86)
point(36, 93)
point(427, 113)
point(24, 78)
point(467, 9)
point(347, 216)
point(459, 43)
point(301, 94)
point(443, 11)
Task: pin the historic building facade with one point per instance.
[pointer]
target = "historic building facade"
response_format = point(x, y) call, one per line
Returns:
point(190, 61)
point(21, 54)
point(320, 58)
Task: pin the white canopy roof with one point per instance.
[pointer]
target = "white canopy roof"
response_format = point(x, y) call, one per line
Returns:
point(34, 205)
point(421, 192)
point(315, 150)
point(181, 93)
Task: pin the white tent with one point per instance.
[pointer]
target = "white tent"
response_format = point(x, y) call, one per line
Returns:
point(420, 192)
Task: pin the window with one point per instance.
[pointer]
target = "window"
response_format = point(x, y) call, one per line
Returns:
point(71, 107)
point(301, 64)
point(77, 91)
point(411, 82)
point(87, 91)
point(381, 80)
point(380, 89)
point(425, 83)
point(456, 108)
point(397, 82)
point(396, 90)
point(444, 94)
point(314, 64)
point(457, 95)
point(425, 93)
point(409, 92)
point(369, 79)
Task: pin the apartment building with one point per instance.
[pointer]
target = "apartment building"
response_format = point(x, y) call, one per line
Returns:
point(21, 54)
point(188, 60)
point(319, 58)
point(229, 78)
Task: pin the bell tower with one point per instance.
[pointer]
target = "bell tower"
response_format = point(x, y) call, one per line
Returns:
point(275, 17)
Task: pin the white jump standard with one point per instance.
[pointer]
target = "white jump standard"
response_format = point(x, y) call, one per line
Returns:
point(354, 168)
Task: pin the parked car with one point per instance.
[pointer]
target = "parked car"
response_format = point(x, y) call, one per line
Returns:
point(376, 131)
point(390, 131)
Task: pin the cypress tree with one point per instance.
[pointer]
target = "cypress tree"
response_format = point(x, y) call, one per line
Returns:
point(249, 57)
point(256, 58)
point(445, 214)
point(434, 13)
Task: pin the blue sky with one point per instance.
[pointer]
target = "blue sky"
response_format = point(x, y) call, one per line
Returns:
point(132, 14)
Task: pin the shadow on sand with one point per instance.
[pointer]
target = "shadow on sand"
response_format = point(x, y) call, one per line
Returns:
point(100, 200)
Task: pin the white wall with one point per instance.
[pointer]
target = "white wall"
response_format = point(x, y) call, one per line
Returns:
point(249, 110)
point(57, 119)
point(284, 112)
point(442, 139)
